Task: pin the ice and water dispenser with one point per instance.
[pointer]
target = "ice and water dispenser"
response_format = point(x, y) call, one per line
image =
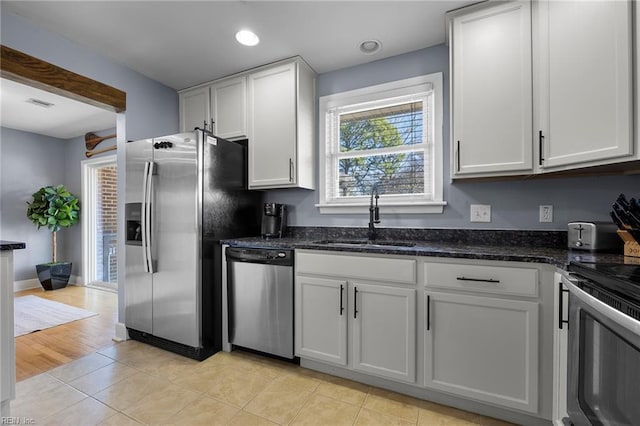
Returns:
point(133, 219)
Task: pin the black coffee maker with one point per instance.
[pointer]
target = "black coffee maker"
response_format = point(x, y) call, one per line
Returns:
point(274, 220)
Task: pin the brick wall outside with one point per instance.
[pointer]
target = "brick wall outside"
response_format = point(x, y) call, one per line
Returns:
point(107, 224)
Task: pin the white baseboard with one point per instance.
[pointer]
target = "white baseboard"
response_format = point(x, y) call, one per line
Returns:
point(121, 333)
point(34, 283)
point(25, 284)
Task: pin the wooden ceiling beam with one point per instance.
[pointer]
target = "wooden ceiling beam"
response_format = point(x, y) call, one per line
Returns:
point(26, 69)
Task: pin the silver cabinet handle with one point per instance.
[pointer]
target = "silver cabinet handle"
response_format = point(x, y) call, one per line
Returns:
point(479, 280)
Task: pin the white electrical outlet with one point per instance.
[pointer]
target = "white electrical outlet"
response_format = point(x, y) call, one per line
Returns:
point(546, 214)
point(480, 213)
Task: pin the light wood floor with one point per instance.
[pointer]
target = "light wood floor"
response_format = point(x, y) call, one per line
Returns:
point(46, 349)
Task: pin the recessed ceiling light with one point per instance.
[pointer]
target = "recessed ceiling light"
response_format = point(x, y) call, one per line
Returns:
point(369, 47)
point(247, 38)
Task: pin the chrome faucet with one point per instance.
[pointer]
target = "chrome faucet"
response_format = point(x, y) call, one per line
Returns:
point(374, 213)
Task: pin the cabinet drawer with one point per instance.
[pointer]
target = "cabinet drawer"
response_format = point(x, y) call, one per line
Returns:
point(384, 269)
point(482, 278)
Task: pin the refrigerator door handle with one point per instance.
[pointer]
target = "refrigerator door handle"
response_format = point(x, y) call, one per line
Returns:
point(143, 217)
point(148, 219)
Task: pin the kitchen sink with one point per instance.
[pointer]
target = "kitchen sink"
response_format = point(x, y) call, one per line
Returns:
point(365, 243)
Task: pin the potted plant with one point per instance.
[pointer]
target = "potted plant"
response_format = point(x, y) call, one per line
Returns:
point(55, 208)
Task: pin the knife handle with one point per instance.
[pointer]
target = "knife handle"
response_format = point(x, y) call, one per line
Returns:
point(617, 220)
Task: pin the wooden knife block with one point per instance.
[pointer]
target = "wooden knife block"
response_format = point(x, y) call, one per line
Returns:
point(631, 246)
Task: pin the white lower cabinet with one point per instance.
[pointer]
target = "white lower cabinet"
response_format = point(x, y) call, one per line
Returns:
point(321, 319)
point(361, 325)
point(467, 329)
point(384, 330)
point(560, 347)
point(482, 347)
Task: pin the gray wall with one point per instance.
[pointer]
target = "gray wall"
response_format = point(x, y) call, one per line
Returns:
point(27, 162)
point(514, 204)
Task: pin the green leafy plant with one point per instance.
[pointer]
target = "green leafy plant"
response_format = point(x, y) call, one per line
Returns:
point(56, 208)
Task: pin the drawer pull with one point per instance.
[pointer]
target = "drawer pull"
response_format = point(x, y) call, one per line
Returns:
point(479, 280)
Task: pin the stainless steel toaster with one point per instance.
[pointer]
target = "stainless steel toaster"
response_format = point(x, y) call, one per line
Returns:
point(593, 236)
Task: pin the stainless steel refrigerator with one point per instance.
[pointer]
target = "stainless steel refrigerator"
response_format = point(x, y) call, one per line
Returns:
point(184, 193)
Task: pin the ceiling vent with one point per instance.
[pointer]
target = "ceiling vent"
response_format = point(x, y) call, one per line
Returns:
point(40, 102)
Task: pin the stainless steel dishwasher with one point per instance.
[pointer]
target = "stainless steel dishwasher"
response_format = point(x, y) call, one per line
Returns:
point(260, 299)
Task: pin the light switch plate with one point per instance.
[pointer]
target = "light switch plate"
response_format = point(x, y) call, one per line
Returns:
point(480, 213)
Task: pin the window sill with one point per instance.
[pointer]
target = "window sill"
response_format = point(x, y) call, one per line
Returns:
point(433, 207)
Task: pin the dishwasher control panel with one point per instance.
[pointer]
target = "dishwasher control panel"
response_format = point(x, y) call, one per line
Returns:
point(258, 255)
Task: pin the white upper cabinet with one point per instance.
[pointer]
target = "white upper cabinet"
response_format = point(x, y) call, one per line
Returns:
point(281, 115)
point(272, 106)
point(585, 89)
point(220, 106)
point(541, 86)
point(229, 107)
point(194, 109)
point(491, 91)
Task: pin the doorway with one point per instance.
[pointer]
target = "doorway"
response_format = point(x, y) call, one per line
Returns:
point(100, 222)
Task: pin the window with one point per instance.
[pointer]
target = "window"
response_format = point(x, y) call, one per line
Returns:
point(388, 137)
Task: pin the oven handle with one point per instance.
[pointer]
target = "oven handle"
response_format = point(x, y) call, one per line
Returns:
point(602, 308)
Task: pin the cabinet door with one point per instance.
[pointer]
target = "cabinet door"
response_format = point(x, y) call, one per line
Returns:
point(491, 90)
point(482, 348)
point(272, 127)
point(194, 109)
point(560, 347)
point(585, 83)
point(384, 328)
point(229, 108)
point(321, 319)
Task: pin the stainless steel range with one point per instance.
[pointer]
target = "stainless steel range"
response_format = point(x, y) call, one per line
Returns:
point(604, 344)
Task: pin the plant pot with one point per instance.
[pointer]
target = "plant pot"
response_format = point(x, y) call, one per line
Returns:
point(53, 276)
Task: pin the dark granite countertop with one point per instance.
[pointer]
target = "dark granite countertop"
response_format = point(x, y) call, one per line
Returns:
point(11, 245)
point(513, 248)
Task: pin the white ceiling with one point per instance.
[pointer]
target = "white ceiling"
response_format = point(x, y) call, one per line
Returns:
point(66, 119)
point(184, 43)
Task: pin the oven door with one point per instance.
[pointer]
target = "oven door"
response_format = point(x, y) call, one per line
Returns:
point(603, 362)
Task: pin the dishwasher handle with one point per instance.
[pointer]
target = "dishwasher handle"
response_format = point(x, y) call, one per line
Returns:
point(273, 256)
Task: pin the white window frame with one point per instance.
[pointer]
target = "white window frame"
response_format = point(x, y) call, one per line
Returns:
point(388, 203)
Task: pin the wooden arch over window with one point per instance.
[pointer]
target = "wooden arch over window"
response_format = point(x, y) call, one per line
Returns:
point(25, 69)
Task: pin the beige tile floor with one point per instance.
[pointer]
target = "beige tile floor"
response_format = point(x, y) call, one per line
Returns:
point(132, 383)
